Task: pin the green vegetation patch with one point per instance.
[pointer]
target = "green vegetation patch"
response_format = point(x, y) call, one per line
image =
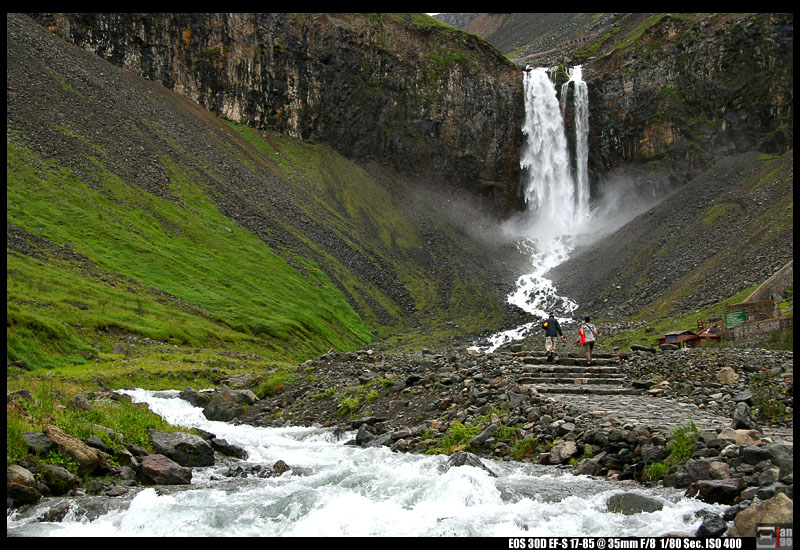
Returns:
point(719, 210)
point(767, 395)
point(54, 401)
point(680, 446)
point(215, 280)
point(275, 383)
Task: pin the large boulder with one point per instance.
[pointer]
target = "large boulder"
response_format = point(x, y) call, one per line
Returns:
point(632, 503)
point(481, 438)
point(782, 456)
point(37, 442)
point(226, 405)
point(563, 452)
point(742, 418)
point(160, 470)
point(228, 449)
point(59, 480)
point(740, 437)
point(463, 458)
point(591, 466)
point(716, 491)
point(706, 468)
point(778, 509)
point(21, 486)
point(184, 448)
point(713, 526)
point(727, 376)
point(195, 397)
point(89, 459)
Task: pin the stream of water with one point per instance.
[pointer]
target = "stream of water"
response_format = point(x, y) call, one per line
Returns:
point(336, 489)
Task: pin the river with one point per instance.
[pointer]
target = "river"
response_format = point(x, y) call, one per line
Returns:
point(340, 490)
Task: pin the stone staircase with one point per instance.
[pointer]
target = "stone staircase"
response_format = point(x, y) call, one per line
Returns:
point(570, 373)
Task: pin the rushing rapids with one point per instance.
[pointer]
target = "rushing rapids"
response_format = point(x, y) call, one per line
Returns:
point(336, 489)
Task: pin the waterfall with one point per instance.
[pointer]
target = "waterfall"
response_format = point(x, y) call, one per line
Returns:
point(551, 189)
point(557, 197)
point(545, 157)
point(581, 96)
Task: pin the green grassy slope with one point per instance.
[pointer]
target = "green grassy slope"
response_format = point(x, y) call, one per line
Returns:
point(239, 289)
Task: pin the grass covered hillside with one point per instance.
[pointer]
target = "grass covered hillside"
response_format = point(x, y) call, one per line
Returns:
point(136, 218)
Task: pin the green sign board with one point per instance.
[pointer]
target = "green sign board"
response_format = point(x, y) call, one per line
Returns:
point(734, 318)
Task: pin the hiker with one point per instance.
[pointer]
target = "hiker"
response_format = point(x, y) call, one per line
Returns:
point(588, 334)
point(552, 331)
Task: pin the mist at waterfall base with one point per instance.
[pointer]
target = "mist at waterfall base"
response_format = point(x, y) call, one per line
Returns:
point(560, 215)
point(336, 489)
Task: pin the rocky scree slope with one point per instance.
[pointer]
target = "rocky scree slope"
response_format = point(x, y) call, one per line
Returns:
point(698, 108)
point(728, 229)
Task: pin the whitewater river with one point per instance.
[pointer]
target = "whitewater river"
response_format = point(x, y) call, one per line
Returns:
point(335, 489)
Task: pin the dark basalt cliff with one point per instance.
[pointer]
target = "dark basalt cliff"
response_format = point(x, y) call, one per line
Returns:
point(674, 91)
point(399, 89)
point(678, 91)
point(703, 104)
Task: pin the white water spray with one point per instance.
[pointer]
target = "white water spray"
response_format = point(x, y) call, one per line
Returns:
point(557, 199)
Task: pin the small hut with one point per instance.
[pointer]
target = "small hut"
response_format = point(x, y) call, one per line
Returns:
point(688, 338)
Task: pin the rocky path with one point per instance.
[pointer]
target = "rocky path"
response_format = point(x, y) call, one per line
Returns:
point(602, 391)
point(657, 411)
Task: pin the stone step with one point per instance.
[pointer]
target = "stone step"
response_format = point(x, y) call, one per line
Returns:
point(580, 389)
point(571, 368)
point(564, 354)
point(572, 380)
point(567, 361)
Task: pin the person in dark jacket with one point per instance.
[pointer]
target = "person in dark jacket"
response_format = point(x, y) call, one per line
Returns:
point(552, 330)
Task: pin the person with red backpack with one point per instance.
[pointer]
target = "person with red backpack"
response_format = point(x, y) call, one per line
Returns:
point(588, 337)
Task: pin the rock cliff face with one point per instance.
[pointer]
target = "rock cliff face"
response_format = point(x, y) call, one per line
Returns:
point(669, 90)
point(672, 91)
point(677, 91)
point(429, 101)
